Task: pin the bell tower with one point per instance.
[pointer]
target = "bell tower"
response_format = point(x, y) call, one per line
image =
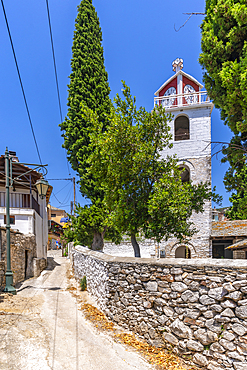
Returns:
point(182, 95)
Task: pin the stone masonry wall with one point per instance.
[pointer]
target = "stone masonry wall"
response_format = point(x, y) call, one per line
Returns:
point(197, 308)
point(2, 272)
point(199, 244)
point(21, 246)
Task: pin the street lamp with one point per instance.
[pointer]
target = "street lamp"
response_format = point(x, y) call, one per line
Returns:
point(42, 187)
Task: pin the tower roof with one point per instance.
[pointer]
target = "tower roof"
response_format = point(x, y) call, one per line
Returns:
point(180, 72)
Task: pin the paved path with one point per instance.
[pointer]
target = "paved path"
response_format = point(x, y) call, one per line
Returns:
point(45, 330)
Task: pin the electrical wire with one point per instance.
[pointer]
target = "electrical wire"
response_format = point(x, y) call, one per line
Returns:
point(68, 195)
point(54, 60)
point(56, 198)
point(69, 179)
point(66, 205)
point(62, 188)
point(66, 198)
point(22, 88)
point(55, 69)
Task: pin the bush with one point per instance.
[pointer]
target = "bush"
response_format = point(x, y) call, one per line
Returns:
point(83, 283)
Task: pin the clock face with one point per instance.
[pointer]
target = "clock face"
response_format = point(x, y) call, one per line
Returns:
point(169, 99)
point(190, 99)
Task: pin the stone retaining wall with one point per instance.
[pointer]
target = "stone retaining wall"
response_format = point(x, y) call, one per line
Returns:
point(197, 308)
point(23, 251)
point(2, 274)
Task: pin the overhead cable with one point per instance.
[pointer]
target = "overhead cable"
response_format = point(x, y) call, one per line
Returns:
point(22, 88)
point(55, 69)
point(56, 198)
point(69, 179)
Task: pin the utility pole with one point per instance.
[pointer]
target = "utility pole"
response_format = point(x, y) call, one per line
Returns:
point(9, 274)
point(74, 194)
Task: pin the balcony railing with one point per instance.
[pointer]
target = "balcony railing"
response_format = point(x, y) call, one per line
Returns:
point(182, 100)
point(17, 200)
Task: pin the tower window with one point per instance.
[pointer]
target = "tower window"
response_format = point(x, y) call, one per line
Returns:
point(182, 128)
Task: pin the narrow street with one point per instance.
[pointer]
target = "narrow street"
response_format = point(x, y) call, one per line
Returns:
point(42, 328)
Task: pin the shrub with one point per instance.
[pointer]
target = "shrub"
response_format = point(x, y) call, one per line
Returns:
point(83, 283)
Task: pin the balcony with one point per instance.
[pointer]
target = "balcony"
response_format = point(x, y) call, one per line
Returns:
point(187, 100)
point(20, 201)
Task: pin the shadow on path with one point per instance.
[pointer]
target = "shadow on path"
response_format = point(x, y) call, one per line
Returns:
point(51, 265)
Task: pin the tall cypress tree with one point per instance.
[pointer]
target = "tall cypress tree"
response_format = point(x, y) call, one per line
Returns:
point(88, 88)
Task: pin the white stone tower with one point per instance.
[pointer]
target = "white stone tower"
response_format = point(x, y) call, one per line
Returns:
point(191, 108)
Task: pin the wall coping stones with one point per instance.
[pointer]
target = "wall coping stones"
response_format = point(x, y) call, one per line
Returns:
point(203, 263)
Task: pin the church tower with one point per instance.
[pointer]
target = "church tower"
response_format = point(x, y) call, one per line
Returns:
point(191, 108)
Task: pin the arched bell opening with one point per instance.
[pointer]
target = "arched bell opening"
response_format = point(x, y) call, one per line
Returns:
point(185, 174)
point(182, 128)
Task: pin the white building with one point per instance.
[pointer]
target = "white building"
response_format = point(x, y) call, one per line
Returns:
point(191, 108)
point(28, 213)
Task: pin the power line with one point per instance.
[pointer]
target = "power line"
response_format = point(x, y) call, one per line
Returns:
point(22, 88)
point(54, 61)
point(67, 196)
point(55, 69)
point(62, 188)
point(56, 198)
point(69, 179)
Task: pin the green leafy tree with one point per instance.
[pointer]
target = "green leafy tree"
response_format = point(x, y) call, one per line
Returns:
point(143, 191)
point(238, 211)
point(88, 88)
point(91, 223)
point(224, 56)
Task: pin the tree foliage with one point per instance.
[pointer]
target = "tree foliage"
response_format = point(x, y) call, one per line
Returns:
point(143, 190)
point(90, 226)
point(238, 211)
point(224, 56)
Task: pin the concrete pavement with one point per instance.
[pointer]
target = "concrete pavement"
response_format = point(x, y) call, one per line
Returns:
point(41, 328)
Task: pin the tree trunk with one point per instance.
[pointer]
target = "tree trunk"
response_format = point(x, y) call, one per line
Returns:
point(98, 242)
point(135, 245)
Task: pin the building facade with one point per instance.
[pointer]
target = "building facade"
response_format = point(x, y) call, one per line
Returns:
point(28, 212)
point(191, 109)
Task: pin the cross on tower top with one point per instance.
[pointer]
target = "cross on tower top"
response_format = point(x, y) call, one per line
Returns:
point(177, 65)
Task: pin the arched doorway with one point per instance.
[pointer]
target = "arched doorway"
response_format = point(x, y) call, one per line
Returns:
point(182, 252)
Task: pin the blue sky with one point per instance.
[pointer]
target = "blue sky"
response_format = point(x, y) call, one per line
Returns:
point(139, 43)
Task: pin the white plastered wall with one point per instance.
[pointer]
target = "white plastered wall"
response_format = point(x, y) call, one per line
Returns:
point(195, 154)
point(28, 221)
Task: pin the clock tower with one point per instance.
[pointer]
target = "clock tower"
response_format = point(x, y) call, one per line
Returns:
point(182, 95)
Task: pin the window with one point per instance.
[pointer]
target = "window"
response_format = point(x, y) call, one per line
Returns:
point(11, 220)
point(53, 215)
point(182, 128)
point(185, 174)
